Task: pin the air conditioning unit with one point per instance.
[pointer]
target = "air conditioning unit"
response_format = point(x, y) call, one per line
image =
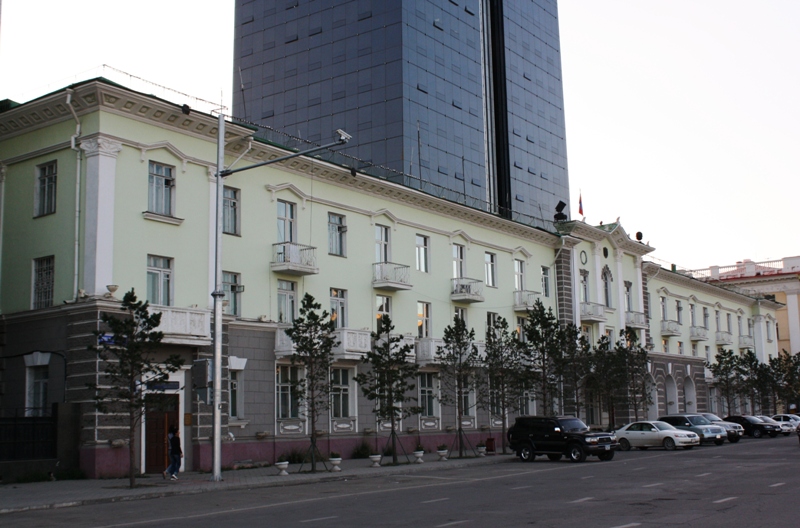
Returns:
point(343, 229)
point(237, 288)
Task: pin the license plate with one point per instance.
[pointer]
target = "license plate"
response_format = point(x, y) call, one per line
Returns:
point(608, 448)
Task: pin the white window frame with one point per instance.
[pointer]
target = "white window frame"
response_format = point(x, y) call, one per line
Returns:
point(459, 261)
point(680, 348)
point(717, 320)
point(46, 189)
point(37, 382)
point(519, 275)
point(383, 306)
point(287, 300)
point(232, 287)
point(705, 317)
point(162, 274)
point(468, 401)
point(428, 394)
point(423, 319)
point(490, 269)
point(337, 238)
point(339, 307)
point(679, 311)
point(287, 221)
point(584, 286)
point(43, 279)
point(692, 315)
point(161, 189)
point(608, 291)
point(236, 367)
point(694, 349)
point(665, 345)
point(460, 312)
point(284, 374)
point(231, 221)
point(545, 281)
point(423, 253)
point(341, 393)
point(664, 313)
point(491, 319)
point(383, 249)
point(628, 296)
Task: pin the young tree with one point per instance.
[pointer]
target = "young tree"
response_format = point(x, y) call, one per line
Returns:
point(756, 381)
point(540, 349)
point(389, 382)
point(607, 379)
point(312, 335)
point(459, 372)
point(786, 373)
point(503, 366)
point(726, 377)
point(131, 371)
point(572, 366)
point(637, 377)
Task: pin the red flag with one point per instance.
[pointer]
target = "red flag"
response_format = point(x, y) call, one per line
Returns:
point(580, 204)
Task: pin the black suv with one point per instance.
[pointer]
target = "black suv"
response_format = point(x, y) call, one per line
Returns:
point(531, 436)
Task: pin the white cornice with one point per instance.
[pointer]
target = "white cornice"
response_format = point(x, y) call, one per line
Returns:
point(617, 236)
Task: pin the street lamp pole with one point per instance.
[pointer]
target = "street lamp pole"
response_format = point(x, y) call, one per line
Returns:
point(342, 138)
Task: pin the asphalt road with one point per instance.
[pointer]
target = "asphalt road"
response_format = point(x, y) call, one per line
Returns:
point(754, 482)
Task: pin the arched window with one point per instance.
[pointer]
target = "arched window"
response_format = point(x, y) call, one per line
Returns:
point(607, 280)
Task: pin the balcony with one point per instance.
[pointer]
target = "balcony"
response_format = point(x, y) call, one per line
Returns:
point(284, 347)
point(698, 333)
point(184, 326)
point(466, 290)
point(593, 312)
point(724, 338)
point(670, 328)
point(635, 320)
point(746, 341)
point(406, 340)
point(294, 259)
point(524, 300)
point(391, 276)
point(353, 344)
point(426, 350)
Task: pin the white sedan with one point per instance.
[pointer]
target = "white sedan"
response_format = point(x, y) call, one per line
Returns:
point(642, 435)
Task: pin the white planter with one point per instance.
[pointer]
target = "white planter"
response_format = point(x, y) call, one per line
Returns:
point(282, 468)
point(376, 460)
point(418, 455)
point(481, 450)
point(335, 463)
point(442, 455)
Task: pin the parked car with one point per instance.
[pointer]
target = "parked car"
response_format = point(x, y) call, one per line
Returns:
point(698, 424)
point(786, 428)
point(791, 419)
point(642, 435)
point(734, 430)
point(754, 427)
point(556, 436)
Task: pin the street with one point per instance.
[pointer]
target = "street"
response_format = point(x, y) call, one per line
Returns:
point(753, 482)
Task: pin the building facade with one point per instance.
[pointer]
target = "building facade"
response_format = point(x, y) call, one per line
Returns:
point(103, 189)
point(465, 98)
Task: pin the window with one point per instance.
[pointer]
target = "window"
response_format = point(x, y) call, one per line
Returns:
point(236, 367)
point(491, 319)
point(460, 313)
point(234, 389)
point(459, 262)
point(336, 234)
point(36, 403)
point(628, 296)
point(518, 329)
point(647, 311)
point(545, 281)
point(694, 349)
point(716, 320)
point(708, 354)
point(423, 248)
point(382, 244)
point(43, 282)
point(705, 317)
point(777, 331)
point(665, 345)
point(584, 291)
point(159, 280)
point(286, 301)
point(46, 189)
point(692, 317)
point(728, 321)
point(663, 308)
point(230, 211)
point(161, 190)
point(427, 394)
point(286, 222)
point(423, 319)
point(679, 311)
point(233, 288)
point(383, 306)
point(467, 399)
point(490, 265)
point(519, 274)
point(495, 406)
point(288, 406)
point(749, 327)
point(339, 307)
point(607, 292)
point(680, 347)
point(340, 393)
point(769, 331)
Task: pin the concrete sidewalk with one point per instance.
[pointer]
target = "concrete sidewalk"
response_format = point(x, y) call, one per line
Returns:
point(61, 494)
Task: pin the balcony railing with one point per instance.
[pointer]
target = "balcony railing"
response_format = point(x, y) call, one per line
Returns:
point(426, 350)
point(698, 333)
point(670, 328)
point(746, 341)
point(593, 312)
point(524, 300)
point(284, 347)
point(405, 339)
point(294, 259)
point(724, 338)
point(184, 325)
point(635, 320)
point(391, 276)
point(466, 290)
point(353, 344)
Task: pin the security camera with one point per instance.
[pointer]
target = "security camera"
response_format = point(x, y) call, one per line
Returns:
point(344, 137)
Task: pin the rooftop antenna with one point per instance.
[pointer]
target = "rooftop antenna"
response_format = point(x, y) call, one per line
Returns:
point(241, 87)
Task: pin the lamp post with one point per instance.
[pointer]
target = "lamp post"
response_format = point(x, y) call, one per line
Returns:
point(218, 293)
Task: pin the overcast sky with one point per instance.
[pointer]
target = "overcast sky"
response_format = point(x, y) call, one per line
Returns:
point(682, 115)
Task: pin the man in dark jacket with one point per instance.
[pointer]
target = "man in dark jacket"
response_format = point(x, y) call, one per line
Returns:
point(175, 453)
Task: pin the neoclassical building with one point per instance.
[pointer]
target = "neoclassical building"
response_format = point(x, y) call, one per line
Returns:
point(103, 189)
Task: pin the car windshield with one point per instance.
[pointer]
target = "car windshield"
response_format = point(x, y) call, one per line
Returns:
point(573, 425)
point(698, 420)
point(712, 417)
point(753, 419)
point(663, 426)
point(767, 419)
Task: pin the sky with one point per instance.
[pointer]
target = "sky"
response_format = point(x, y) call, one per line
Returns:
point(681, 115)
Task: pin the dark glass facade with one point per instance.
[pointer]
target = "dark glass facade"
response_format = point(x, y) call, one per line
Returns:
point(462, 94)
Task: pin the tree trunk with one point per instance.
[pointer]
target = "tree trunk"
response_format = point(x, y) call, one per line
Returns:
point(131, 447)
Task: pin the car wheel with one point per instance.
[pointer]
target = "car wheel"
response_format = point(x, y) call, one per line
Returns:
point(669, 444)
point(606, 456)
point(642, 448)
point(687, 447)
point(526, 453)
point(757, 433)
point(733, 439)
point(773, 434)
point(624, 444)
point(554, 457)
point(576, 453)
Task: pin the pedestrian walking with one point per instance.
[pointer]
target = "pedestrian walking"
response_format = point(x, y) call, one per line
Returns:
point(175, 453)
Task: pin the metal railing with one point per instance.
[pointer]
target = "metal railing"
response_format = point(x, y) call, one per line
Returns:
point(391, 272)
point(293, 253)
point(465, 286)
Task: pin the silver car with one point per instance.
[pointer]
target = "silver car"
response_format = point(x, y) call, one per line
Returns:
point(642, 435)
point(792, 419)
point(697, 423)
point(786, 428)
point(734, 430)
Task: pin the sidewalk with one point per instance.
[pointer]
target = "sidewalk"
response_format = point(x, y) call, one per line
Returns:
point(61, 494)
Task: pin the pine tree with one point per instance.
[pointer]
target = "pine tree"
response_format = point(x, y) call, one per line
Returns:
point(727, 379)
point(540, 349)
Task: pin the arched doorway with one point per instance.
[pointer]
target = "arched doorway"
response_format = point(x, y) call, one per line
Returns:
point(671, 389)
point(652, 408)
point(689, 396)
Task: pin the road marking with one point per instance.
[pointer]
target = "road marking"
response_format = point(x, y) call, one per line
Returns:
point(581, 500)
point(432, 477)
point(653, 485)
point(434, 500)
point(590, 476)
point(703, 474)
point(631, 525)
point(450, 524)
point(638, 468)
point(726, 499)
point(320, 519)
point(718, 456)
point(522, 487)
point(777, 484)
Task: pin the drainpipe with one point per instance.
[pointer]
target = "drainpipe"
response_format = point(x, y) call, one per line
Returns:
point(2, 203)
point(73, 142)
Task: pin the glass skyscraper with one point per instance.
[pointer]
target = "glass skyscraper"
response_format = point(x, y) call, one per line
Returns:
point(463, 96)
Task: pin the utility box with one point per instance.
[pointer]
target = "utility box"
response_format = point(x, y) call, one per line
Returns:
point(202, 373)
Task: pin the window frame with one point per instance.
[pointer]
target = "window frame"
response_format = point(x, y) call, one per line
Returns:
point(338, 298)
point(233, 293)
point(426, 382)
point(286, 221)
point(519, 275)
point(546, 281)
point(383, 248)
point(423, 247)
point(287, 296)
point(37, 390)
point(490, 269)
point(337, 238)
point(162, 273)
point(459, 253)
point(423, 319)
point(341, 393)
point(46, 192)
point(43, 280)
point(230, 211)
point(162, 203)
point(383, 306)
point(283, 392)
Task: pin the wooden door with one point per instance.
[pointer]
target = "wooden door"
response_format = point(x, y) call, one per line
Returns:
point(162, 415)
